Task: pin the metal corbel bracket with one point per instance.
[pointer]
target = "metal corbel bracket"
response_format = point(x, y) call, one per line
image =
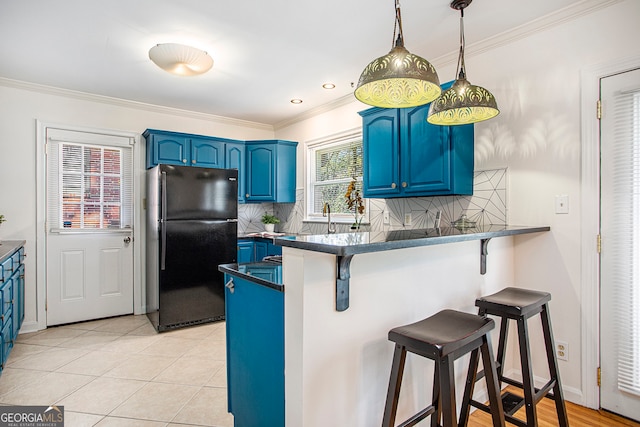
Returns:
point(342, 281)
point(483, 255)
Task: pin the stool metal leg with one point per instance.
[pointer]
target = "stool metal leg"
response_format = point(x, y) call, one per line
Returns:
point(527, 373)
point(395, 380)
point(553, 367)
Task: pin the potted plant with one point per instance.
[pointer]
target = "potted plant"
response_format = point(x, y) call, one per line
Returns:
point(269, 222)
point(355, 203)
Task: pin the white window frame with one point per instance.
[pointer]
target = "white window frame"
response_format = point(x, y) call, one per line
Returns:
point(310, 150)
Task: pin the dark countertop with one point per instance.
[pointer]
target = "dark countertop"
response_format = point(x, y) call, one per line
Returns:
point(257, 272)
point(266, 237)
point(358, 243)
point(7, 247)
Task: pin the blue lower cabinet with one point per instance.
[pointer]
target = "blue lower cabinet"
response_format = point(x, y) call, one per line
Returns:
point(260, 250)
point(274, 249)
point(255, 353)
point(245, 251)
point(11, 295)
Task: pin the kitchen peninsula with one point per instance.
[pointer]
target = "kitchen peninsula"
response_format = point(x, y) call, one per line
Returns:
point(342, 293)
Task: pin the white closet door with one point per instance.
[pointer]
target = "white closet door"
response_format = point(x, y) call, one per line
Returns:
point(620, 257)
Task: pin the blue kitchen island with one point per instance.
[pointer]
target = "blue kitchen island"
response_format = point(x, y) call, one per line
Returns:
point(254, 302)
point(328, 330)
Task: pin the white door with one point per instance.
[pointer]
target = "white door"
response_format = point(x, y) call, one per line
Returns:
point(620, 255)
point(89, 226)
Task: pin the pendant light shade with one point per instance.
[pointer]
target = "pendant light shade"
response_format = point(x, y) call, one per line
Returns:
point(463, 103)
point(398, 79)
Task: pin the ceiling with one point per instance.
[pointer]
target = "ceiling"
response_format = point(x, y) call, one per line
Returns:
point(265, 52)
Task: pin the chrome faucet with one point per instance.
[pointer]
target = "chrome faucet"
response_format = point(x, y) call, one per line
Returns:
point(326, 211)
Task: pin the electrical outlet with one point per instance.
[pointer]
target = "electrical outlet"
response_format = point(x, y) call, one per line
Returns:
point(407, 219)
point(562, 350)
point(385, 217)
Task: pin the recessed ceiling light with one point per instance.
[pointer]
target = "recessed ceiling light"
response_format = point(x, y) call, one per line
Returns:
point(329, 86)
point(296, 101)
point(180, 59)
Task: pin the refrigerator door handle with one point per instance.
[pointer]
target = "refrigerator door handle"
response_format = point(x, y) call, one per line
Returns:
point(163, 214)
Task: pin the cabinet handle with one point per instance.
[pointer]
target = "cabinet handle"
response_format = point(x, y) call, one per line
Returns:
point(193, 161)
point(404, 185)
point(246, 195)
point(230, 285)
point(184, 160)
point(393, 185)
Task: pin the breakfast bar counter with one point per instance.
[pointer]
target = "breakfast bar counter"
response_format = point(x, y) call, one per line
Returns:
point(346, 245)
point(295, 358)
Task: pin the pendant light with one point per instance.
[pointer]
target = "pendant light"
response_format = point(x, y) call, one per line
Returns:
point(398, 79)
point(462, 103)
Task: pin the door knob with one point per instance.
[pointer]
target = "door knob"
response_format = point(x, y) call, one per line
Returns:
point(127, 240)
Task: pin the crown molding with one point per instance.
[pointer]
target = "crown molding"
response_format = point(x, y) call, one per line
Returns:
point(119, 102)
point(561, 16)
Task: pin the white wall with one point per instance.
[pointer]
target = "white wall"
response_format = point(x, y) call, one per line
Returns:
point(20, 107)
point(536, 80)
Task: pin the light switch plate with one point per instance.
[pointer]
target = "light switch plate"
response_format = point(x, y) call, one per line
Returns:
point(385, 217)
point(562, 204)
point(407, 219)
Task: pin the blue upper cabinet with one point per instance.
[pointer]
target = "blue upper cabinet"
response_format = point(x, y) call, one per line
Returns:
point(176, 148)
point(207, 152)
point(270, 171)
point(405, 156)
point(234, 159)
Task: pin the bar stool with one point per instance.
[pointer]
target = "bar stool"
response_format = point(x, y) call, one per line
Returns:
point(443, 338)
point(519, 305)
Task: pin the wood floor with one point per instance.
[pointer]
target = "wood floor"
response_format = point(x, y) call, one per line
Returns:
point(579, 416)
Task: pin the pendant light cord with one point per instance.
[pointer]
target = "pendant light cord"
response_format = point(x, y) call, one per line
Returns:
point(397, 28)
point(463, 71)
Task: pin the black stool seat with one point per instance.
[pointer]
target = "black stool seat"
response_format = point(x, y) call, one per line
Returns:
point(519, 305)
point(441, 334)
point(443, 337)
point(513, 302)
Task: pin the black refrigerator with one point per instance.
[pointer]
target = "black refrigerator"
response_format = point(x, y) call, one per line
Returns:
point(192, 227)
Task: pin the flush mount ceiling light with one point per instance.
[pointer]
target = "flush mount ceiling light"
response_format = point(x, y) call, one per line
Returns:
point(462, 103)
point(296, 101)
point(398, 79)
point(328, 86)
point(180, 59)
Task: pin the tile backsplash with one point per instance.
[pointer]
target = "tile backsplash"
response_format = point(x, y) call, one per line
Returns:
point(487, 205)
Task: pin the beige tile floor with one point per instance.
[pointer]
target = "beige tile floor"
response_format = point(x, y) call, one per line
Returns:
point(120, 372)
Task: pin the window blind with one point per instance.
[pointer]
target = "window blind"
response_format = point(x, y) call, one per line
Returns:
point(335, 167)
point(89, 181)
point(626, 232)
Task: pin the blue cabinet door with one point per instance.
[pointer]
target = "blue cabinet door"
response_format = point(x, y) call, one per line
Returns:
point(405, 156)
point(255, 354)
point(261, 173)
point(234, 159)
point(245, 252)
point(207, 152)
point(169, 150)
point(425, 153)
point(274, 249)
point(260, 249)
point(380, 132)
